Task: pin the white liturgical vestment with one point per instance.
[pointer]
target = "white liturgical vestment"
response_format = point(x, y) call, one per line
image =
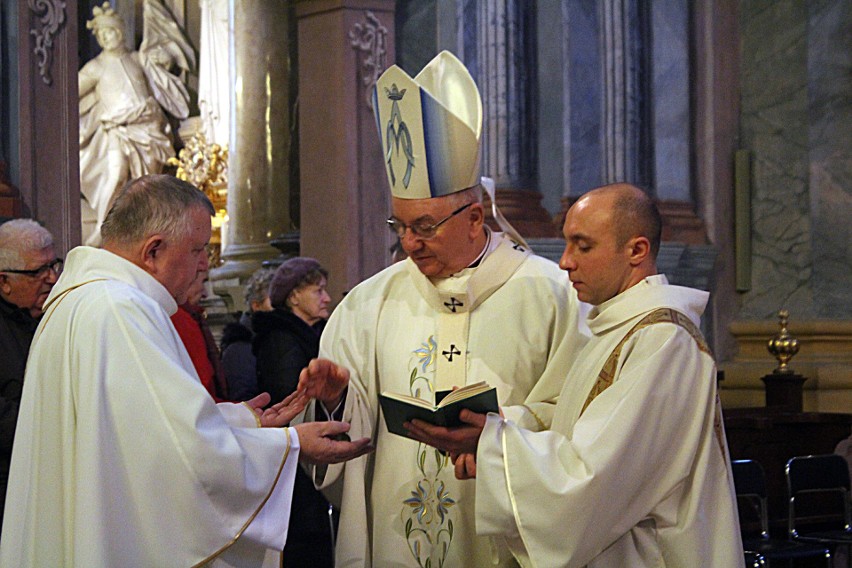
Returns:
point(511, 322)
point(636, 475)
point(121, 458)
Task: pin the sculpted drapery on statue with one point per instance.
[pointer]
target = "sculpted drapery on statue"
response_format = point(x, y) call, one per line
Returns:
point(124, 132)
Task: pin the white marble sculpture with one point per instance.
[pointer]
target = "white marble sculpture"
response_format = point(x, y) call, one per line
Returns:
point(123, 130)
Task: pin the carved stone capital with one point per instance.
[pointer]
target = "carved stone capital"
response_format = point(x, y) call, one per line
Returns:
point(51, 15)
point(370, 38)
point(522, 208)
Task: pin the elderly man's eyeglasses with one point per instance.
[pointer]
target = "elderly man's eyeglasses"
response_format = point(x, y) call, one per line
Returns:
point(422, 230)
point(55, 265)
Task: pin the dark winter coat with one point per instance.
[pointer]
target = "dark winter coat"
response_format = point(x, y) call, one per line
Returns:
point(17, 328)
point(283, 345)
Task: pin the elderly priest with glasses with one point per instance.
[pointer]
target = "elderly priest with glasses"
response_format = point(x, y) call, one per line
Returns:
point(468, 304)
point(28, 270)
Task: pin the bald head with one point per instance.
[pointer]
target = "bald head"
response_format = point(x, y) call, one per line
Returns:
point(611, 237)
point(634, 214)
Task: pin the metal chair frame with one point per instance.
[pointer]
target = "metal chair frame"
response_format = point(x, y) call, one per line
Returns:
point(807, 475)
point(750, 484)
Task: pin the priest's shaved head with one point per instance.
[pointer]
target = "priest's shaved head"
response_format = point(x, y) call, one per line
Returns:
point(612, 236)
point(634, 214)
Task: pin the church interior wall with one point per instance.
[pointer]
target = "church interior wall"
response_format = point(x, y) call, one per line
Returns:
point(795, 84)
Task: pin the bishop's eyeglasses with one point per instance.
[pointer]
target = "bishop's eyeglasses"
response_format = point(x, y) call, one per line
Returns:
point(55, 265)
point(422, 230)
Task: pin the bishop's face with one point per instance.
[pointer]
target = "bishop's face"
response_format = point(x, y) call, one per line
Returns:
point(453, 246)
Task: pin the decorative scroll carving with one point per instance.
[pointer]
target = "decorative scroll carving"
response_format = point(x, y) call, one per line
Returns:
point(371, 39)
point(51, 15)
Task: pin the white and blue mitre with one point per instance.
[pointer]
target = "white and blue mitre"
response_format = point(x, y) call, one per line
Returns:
point(429, 127)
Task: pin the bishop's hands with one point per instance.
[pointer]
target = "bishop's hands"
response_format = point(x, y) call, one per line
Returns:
point(325, 381)
point(460, 442)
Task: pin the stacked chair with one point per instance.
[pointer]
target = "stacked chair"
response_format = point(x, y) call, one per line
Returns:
point(750, 485)
point(818, 492)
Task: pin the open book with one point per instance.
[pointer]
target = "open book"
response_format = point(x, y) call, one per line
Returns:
point(399, 408)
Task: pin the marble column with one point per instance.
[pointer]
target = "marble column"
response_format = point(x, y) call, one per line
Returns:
point(498, 47)
point(670, 116)
point(624, 94)
point(259, 149)
point(581, 118)
point(344, 45)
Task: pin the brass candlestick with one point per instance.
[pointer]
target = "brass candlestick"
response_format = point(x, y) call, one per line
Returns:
point(783, 346)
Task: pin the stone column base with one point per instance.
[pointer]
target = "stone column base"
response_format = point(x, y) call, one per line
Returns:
point(522, 208)
point(240, 263)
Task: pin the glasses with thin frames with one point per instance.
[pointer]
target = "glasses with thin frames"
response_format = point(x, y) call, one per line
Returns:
point(421, 230)
point(55, 265)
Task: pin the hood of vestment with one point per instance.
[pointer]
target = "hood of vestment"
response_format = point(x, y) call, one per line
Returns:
point(651, 293)
point(87, 264)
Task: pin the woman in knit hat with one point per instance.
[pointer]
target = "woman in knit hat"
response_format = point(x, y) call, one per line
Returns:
point(285, 340)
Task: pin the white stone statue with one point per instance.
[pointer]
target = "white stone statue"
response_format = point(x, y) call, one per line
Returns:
point(123, 130)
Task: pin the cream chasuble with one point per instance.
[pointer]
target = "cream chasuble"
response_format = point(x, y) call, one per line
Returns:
point(121, 458)
point(511, 322)
point(641, 476)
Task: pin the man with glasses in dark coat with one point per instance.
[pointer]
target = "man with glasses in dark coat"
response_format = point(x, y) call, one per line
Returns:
point(28, 270)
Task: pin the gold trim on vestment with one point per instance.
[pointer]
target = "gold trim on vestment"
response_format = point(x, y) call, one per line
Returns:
point(538, 420)
point(661, 315)
point(55, 302)
point(253, 413)
point(216, 554)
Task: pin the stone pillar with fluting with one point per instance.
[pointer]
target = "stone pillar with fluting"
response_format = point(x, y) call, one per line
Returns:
point(500, 55)
point(623, 91)
point(259, 153)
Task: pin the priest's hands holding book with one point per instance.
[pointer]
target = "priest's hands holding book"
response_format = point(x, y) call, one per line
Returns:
point(460, 442)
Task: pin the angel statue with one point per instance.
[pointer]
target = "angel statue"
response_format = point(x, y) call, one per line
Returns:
point(124, 132)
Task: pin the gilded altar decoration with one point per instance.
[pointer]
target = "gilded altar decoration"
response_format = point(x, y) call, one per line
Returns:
point(783, 346)
point(206, 167)
point(51, 15)
point(370, 38)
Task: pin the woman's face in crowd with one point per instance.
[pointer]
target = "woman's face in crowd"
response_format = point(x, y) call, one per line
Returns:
point(310, 302)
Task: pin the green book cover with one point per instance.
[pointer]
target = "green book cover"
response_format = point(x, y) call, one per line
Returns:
point(400, 408)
